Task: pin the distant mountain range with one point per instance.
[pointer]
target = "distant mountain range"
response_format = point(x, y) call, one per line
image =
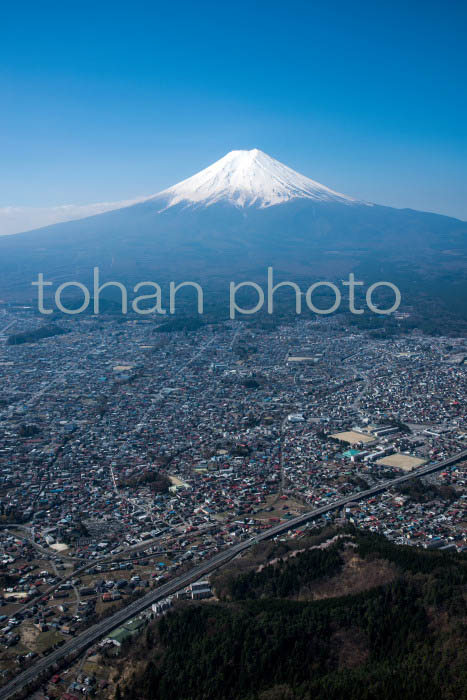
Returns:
point(244, 212)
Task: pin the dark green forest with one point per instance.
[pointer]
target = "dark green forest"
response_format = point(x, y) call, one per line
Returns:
point(404, 639)
point(33, 336)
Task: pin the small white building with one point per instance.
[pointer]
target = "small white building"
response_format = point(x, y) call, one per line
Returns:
point(200, 590)
point(295, 418)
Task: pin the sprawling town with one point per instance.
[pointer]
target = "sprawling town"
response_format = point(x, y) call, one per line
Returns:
point(130, 455)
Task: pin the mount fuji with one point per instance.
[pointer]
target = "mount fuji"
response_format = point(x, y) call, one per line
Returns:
point(241, 214)
point(243, 178)
point(249, 178)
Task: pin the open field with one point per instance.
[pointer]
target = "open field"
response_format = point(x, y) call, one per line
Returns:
point(175, 481)
point(276, 507)
point(352, 437)
point(405, 462)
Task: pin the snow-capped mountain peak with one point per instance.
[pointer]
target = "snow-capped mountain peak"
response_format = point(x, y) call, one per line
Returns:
point(248, 178)
point(240, 178)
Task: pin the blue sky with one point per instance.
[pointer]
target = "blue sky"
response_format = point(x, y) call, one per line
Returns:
point(107, 101)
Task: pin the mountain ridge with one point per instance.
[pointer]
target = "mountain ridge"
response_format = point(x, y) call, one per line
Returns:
point(241, 177)
point(222, 224)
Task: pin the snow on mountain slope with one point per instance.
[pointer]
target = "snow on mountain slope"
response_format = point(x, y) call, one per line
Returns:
point(247, 178)
point(240, 178)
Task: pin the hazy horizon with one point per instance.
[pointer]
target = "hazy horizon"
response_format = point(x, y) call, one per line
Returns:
point(15, 220)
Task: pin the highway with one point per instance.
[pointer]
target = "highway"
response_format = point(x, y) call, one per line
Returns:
point(98, 631)
point(5, 328)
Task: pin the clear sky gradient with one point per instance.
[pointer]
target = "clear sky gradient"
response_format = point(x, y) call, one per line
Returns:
point(107, 101)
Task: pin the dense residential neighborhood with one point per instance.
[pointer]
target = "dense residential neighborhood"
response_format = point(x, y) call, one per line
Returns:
point(128, 455)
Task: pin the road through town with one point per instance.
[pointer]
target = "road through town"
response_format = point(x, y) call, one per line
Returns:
point(99, 630)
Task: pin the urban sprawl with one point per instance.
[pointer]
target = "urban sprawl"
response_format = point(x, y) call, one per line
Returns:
point(128, 456)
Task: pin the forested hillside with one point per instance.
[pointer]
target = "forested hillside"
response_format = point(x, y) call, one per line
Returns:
point(279, 633)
